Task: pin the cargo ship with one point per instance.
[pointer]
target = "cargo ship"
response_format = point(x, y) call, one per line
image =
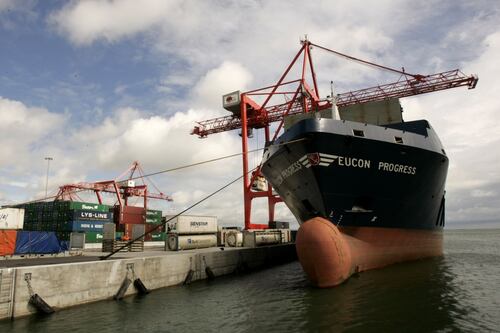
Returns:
point(367, 188)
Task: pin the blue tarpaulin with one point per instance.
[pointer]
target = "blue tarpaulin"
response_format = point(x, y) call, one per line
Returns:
point(64, 245)
point(37, 242)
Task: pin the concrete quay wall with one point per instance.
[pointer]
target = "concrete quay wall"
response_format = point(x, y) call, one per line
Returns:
point(70, 284)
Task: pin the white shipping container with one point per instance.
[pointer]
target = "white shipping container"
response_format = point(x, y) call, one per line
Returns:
point(286, 234)
point(191, 225)
point(234, 238)
point(178, 242)
point(252, 238)
point(109, 231)
point(11, 218)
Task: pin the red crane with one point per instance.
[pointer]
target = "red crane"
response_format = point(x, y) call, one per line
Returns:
point(123, 189)
point(302, 97)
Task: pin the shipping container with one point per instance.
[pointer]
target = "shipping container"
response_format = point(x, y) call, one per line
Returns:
point(191, 224)
point(87, 226)
point(158, 236)
point(138, 230)
point(74, 205)
point(7, 242)
point(234, 238)
point(155, 237)
point(92, 215)
point(153, 216)
point(286, 235)
point(109, 231)
point(254, 238)
point(132, 215)
point(93, 237)
point(178, 242)
point(11, 218)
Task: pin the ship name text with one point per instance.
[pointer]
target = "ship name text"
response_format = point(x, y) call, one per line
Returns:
point(397, 168)
point(284, 174)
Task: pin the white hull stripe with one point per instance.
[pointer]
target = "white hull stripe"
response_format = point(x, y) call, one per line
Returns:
point(328, 156)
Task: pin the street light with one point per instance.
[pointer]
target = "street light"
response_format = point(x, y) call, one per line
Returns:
point(48, 159)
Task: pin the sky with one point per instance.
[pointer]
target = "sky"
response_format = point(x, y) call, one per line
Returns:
point(97, 85)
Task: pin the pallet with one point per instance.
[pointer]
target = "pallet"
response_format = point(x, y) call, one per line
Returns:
point(110, 245)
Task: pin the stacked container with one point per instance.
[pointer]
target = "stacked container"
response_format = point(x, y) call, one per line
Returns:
point(153, 219)
point(64, 217)
point(11, 220)
point(192, 232)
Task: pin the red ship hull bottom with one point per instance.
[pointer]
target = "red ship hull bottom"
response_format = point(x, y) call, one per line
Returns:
point(330, 255)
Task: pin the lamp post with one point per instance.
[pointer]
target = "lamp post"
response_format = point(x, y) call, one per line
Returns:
point(48, 159)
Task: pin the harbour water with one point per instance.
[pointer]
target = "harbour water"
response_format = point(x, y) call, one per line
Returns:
point(458, 292)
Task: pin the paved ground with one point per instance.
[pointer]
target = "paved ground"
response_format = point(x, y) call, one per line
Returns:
point(85, 256)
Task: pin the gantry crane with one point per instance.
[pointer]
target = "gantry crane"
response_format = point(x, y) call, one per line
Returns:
point(302, 97)
point(123, 188)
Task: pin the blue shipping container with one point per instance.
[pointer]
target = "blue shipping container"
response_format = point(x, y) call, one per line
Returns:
point(92, 215)
point(85, 225)
point(37, 242)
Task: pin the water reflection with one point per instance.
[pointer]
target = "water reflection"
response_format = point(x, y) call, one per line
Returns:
point(419, 296)
point(435, 295)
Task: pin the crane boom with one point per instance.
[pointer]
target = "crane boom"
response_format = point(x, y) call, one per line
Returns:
point(403, 88)
point(409, 87)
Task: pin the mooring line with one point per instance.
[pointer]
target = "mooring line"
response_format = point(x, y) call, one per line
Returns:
point(173, 217)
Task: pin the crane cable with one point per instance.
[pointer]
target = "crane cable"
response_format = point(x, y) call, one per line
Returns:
point(214, 159)
point(173, 217)
point(417, 77)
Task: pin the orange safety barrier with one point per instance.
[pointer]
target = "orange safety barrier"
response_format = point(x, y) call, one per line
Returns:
point(7, 242)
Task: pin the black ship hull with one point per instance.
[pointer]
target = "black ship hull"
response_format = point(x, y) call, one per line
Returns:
point(385, 178)
point(367, 196)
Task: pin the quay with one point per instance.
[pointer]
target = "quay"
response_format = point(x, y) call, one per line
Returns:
point(70, 280)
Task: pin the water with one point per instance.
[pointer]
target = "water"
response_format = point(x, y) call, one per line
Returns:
point(456, 293)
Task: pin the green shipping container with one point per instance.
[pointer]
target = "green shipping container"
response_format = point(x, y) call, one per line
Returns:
point(93, 237)
point(153, 216)
point(75, 205)
point(157, 236)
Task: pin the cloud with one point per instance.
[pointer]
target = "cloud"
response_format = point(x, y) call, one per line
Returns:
point(87, 21)
point(226, 78)
point(24, 129)
point(467, 122)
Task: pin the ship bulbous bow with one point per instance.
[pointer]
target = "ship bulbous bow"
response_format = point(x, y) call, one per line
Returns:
point(323, 253)
point(330, 255)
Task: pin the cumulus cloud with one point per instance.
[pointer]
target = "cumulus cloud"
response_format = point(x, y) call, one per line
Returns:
point(86, 21)
point(226, 78)
point(24, 129)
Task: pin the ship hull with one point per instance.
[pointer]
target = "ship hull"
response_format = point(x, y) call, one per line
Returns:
point(330, 255)
point(366, 196)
